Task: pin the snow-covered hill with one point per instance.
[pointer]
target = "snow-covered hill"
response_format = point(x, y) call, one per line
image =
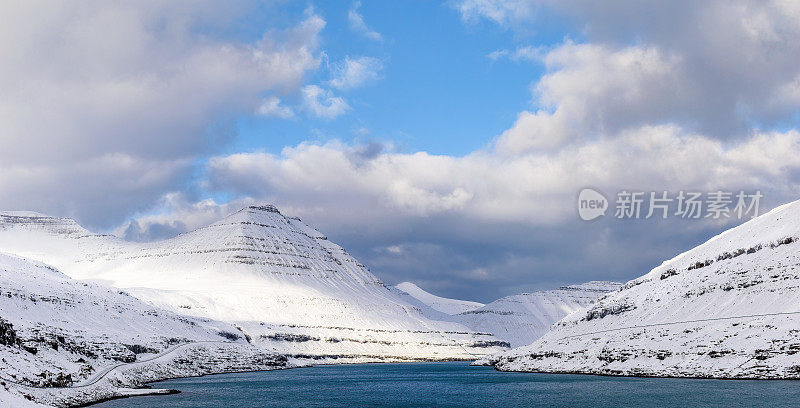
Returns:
point(279, 281)
point(438, 303)
point(727, 308)
point(518, 319)
point(58, 332)
point(521, 319)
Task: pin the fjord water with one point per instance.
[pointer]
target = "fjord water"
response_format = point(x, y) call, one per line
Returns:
point(456, 384)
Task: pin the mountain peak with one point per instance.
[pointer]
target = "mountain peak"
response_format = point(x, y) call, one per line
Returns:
point(265, 208)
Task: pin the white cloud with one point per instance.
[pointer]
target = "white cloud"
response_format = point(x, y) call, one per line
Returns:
point(357, 24)
point(540, 130)
point(532, 54)
point(272, 107)
point(537, 188)
point(322, 103)
point(504, 12)
point(717, 67)
point(592, 90)
point(395, 249)
point(105, 84)
point(355, 72)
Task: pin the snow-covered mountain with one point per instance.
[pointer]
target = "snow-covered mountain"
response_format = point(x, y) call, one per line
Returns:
point(727, 308)
point(279, 281)
point(518, 319)
point(521, 319)
point(58, 332)
point(438, 303)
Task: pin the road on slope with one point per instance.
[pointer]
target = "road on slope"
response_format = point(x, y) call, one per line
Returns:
point(104, 372)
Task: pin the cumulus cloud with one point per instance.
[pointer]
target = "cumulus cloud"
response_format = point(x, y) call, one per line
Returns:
point(357, 24)
point(272, 107)
point(322, 103)
point(355, 72)
point(592, 90)
point(537, 188)
point(114, 83)
point(716, 67)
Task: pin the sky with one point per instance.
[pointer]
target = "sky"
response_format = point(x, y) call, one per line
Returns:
point(443, 143)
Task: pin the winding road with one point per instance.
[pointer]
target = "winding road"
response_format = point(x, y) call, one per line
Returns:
point(99, 375)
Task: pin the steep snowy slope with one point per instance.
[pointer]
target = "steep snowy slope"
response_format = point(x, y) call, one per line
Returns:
point(444, 305)
point(727, 308)
point(280, 281)
point(58, 332)
point(521, 319)
point(517, 319)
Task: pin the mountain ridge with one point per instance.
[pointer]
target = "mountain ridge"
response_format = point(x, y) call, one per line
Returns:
point(724, 309)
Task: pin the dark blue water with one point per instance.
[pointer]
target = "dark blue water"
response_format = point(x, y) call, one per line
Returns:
point(456, 385)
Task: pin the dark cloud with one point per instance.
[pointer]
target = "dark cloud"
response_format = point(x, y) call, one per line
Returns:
point(154, 231)
point(363, 153)
point(484, 261)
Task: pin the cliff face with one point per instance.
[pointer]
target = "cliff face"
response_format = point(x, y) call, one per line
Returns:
point(281, 282)
point(727, 308)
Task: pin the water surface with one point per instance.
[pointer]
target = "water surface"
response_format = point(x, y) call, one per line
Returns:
point(456, 385)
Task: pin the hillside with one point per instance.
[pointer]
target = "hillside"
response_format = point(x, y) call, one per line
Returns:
point(520, 319)
point(729, 308)
point(56, 332)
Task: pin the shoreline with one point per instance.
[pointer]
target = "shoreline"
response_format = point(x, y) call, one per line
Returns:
point(169, 391)
point(142, 378)
point(84, 397)
point(666, 377)
point(164, 391)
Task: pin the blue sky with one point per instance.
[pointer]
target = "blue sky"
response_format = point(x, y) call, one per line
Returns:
point(442, 142)
point(439, 92)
